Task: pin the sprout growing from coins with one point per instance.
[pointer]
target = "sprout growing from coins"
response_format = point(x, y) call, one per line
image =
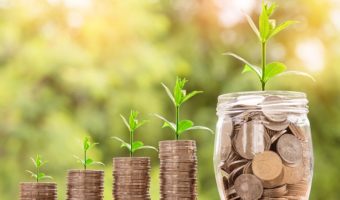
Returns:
point(87, 145)
point(178, 97)
point(267, 30)
point(133, 124)
point(38, 163)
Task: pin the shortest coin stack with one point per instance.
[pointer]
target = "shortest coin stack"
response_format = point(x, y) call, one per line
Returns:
point(30, 191)
point(132, 178)
point(178, 169)
point(85, 184)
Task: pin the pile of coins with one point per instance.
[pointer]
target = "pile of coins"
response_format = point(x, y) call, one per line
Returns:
point(178, 169)
point(46, 191)
point(131, 178)
point(85, 184)
point(265, 153)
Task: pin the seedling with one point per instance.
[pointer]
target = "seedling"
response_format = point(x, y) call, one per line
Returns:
point(38, 163)
point(178, 97)
point(267, 30)
point(87, 145)
point(133, 124)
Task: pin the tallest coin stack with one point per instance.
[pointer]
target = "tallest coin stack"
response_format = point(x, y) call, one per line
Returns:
point(178, 169)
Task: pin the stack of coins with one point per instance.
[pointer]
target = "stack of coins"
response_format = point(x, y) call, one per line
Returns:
point(131, 178)
point(264, 153)
point(31, 191)
point(178, 169)
point(85, 184)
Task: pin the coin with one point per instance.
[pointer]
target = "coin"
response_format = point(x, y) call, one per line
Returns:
point(272, 111)
point(293, 175)
point(250, 139)
point(131, 178)
point(85, 184)
point(267, 166)
point(298, 189)
point(275, 192)
point(298, 131)
point(290, 149)
point(276, 126)
point(46, 191)
point(248, 187)
point(225, 146)
point(178, 170)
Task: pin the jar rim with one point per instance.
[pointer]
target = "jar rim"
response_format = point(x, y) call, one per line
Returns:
point(289, 94)
point(281, 101)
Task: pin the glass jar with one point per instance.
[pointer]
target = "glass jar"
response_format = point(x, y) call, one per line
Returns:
point(263, 146)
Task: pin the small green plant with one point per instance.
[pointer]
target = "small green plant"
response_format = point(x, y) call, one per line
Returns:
point(133, 124)
point(38, 163)
point(87, 145)
point(178, 97)
point(267, 29)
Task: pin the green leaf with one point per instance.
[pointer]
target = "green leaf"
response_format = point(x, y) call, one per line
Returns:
point(190, 95)
point(299, 73)
point(88, 161)
point(273, 69)
point(253, 68)
point(253, 26)
point(264, 25)
point(41, 175)
point(169, 94)
point(79, 160)
point(86, 143)
point(282, 26)
point(133, 120)
point(92, 145)
point(201, 128)
point(167, 123)
point(125, 122)
point(47, 177)
point(32, 174)
point(179, 93)
point(149, 147)
point(123, 143)
point(271, 9)
point(136, 145)
point(141, 123)
point(184, 125)
point(97, 163)
point(34, 162)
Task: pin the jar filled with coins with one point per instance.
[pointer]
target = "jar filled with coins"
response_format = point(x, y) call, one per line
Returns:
point(263, 147)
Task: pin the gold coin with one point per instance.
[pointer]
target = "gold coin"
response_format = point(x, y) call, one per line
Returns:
point(267, 166)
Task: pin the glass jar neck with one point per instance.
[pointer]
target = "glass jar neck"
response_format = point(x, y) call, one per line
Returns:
point(276, 101)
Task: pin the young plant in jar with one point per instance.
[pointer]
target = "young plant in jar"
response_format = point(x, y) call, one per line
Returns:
point(263, 143)
point(178, 157)
point(134, 169)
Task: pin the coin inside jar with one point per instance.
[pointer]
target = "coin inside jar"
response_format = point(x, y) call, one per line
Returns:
point(226, 131)
point(293, 175)
point(248, 187)
point(290, 149)
point(267, 166)
point(250, 139)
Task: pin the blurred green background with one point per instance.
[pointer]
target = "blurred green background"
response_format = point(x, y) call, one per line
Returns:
point(68, 68)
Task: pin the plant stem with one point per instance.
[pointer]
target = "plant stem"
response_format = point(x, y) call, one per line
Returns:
point(37, 174)
point(177, 121)
point(131, 142)
point(85, 157)
point(263, 47)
